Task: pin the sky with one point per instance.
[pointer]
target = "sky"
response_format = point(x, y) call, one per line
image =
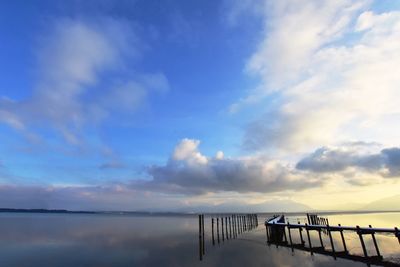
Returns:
point(189, 105)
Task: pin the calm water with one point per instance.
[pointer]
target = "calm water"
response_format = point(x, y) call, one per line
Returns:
point(130, 240)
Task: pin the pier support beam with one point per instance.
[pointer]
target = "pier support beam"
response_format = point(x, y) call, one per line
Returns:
point(343, 240)
point(202, 226)
point(375, 243)
point(359, 232)
point(200, 240)
point(309, 239)
point(218, 229)
point(301, 235)
point(212, 231)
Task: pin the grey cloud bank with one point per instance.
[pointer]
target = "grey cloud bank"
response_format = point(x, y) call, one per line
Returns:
point(190, 172)
point(328, 160)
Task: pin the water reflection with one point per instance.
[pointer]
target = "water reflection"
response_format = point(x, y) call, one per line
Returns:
point(111, 240)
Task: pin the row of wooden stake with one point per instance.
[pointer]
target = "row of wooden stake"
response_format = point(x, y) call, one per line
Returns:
point(227, 227)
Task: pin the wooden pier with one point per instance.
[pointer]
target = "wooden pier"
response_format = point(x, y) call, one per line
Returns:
point(276, 229)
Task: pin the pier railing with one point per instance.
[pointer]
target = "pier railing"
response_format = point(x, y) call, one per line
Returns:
point(276, 229)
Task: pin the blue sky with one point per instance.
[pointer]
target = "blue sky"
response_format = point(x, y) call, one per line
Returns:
point(196, 102)
point(189, 43)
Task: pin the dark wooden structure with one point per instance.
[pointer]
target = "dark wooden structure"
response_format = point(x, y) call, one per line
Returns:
point(276, 229)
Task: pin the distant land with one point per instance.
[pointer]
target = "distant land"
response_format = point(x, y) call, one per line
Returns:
point(62, 211)
point(264, 207)
point(42, 211)
point(278, 206)
point(388, 203)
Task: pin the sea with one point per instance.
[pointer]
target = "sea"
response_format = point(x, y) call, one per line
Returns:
point(121, 239)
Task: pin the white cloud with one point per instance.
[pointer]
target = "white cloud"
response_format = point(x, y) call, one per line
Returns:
point(83, 78)
point(336, 81)
point(219, 155)
point(187, 150)
point(294, 31)
point(190, 172)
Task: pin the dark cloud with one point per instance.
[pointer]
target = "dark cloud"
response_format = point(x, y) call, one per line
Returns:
point(391, 158)
point(325, 160)
point(226, 175)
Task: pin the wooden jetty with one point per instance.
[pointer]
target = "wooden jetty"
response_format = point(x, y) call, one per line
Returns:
point(225, 227)
point(276, 229)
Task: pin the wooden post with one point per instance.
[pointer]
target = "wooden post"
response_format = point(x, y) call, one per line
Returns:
point(301, 235)
point(222, 228)
point(308, 218)
point(375, 243)
point(226, 228)
point(202, 226)
point(362, 241)
point(250, 222)
point(239, 225)
point(200, 243)
point(230, 228)
point(331, 239)
point(397, 233)
point(274, 234)
point(212, 231)
point(309, 239)
point(218, 229)
point(343, 240)
point(284, 233)
point(234, 226)
point(290, 236)
point(320, 238)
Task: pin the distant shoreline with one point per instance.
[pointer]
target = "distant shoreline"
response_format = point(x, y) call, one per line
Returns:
point(43, 211)
point(63, 211)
